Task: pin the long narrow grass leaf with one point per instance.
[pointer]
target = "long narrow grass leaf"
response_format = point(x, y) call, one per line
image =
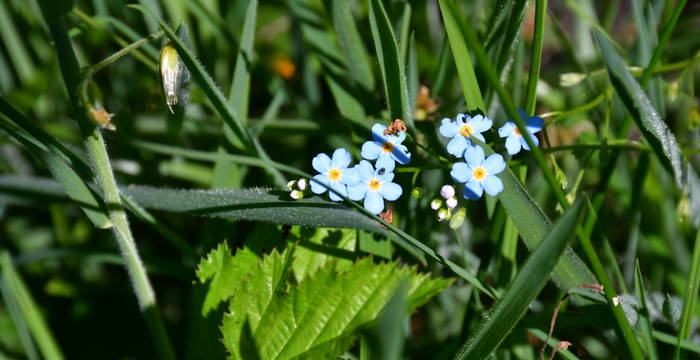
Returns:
point(506, 313)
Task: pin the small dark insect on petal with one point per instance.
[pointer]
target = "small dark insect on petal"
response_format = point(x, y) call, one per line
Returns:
point(381, 171)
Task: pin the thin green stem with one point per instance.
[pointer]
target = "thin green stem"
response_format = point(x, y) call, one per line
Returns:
point(535, 58)
point(691, 297)
point(559, 115)
point(97, 154)
point(122, 52)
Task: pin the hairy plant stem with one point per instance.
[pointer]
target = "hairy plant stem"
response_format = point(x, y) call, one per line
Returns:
point(97, 153)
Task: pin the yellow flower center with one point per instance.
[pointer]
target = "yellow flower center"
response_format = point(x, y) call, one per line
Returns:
point(388, 147)
point(466, 130)
point(479, 173)
point(334, 174)
point(517, 132)
point(374, 184)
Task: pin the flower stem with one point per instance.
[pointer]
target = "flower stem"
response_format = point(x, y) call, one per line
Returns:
point(97, 153)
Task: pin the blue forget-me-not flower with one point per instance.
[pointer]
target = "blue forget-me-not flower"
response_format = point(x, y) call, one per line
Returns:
point(462, 129)
point(334, 174)
point(514, 139)
point(479, 174)
point(386, 146)
point(375, 185)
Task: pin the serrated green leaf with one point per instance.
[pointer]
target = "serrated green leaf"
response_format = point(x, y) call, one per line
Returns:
point(317, 319)
point(318, 246)
point(393, 71)
point(221, 273)
point(523, 290)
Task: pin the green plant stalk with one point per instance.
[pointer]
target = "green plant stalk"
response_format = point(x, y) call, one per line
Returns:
point(535, 58)
point(512, 112)
point(624, 328)
point(122, 52)
point(691, 297)
point(97, 153)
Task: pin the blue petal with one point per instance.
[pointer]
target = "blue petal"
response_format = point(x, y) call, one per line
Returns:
point(461, 172)
point(494, 164)
point(339, 188)
point(478, 136)
point(481, 123)
point(374, 202)
point(473, 190)
point(371, 150)
point(378, 133)
point(401, 154)
point(462, 119)
point(399, 138)
point(492, 184)
point(321, 163)
point(350, 176)
point(449, 128)
point(365, 170)
point(358, 191)
point(535, 140)
point(513, 144)
point(523, 143)
point(391, 191)
point(474, 156)
point(341, 158)
point(534, 124)
point(385, 162)
point(506, 130)
point(523, 115)
point(386, 177)
point(457, 145)
point(317, 188)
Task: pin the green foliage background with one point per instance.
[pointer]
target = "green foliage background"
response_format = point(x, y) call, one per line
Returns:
point(610, 198)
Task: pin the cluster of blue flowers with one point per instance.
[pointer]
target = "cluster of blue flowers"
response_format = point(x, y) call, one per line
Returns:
point(478, 173)
point(373, 183)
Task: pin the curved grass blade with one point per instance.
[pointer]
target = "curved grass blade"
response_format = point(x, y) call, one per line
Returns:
point(644, 322)
point(654, 129)
point(523, 290)
point(357, 60)
point(465, 69)
point(691, 297)
point(16, 288)
point(393, 71)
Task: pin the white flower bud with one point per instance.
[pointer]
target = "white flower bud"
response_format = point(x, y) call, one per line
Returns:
point(447, 191)
point(451, 202)
point(436, 204)
point(444, 214)
point(290, 184)
point(571, 79)
point(301, 184)
point(296, 194)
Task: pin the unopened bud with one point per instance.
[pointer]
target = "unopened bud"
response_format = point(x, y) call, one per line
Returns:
point(571, 79)
point(447, 191)
point(301, 184)
point(458, 218)
point(296, 194)
point(290, 184)
point(451, 202)
point(444, 214)
point(436, 204)
point(417, 192)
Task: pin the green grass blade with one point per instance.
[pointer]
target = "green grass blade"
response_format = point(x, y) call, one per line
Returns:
point(240, 84)
point(623, 326)
point(672, 340)
point(30, 311)
point(691, 296)
point(52, 155)
point(644, 323)
point(453, 27)
point(354, 52)
point(523, 290)
point(18, 320)
point(654, 129)
point(533, 225)
point(212, 92)
point(393, 71)
point(536, 58)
